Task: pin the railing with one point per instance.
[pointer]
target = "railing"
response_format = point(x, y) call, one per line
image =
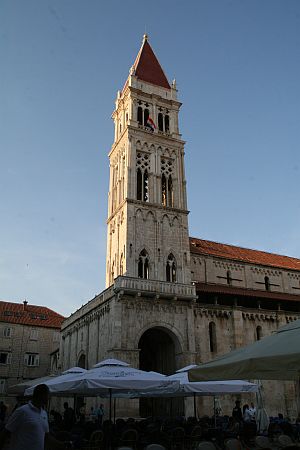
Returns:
point(153, 287)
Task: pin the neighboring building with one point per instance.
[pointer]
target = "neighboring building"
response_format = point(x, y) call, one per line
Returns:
point(172, 300)
point(28, 336)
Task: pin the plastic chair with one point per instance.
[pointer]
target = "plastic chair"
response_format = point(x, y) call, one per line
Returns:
point(194, 438)
point(206, 445)
point(233, 444)
point(155, 447)
point(264, 442)
point(284, 440)
point(129, 438)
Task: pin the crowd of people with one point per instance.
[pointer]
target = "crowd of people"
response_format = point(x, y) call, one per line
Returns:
point(27, 428)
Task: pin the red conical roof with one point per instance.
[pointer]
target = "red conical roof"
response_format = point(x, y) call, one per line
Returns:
point(147, 67)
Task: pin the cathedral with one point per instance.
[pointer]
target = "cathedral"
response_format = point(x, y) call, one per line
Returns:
point(171, 299)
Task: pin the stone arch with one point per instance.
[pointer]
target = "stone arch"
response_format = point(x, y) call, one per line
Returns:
point(166, 219)
point(173, 331)
point(150, 215)
point(158, 346)
point(81, 360)
point(139, 214)
point(175, 222)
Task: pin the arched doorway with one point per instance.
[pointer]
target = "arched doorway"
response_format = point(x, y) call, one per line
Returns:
point(81, 361)
point(159, 348)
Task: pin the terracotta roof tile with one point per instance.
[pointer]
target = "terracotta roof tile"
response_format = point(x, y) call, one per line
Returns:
point(245, 255)
point(147, 67)
point(32, 315)
point(230, 290)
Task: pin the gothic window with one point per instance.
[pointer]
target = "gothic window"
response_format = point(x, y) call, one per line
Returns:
point(142, 176)
point(140, 115)
point(143, 265)
point(146, 116)
point(212, 337)
point(258, 333)
point(228, 277)
point(112, 273)
point(167, 190)
point(121, 264)
point(171, 269)
point(160, 121)
point(170, 192)
point(267, 283)
point(167, 123)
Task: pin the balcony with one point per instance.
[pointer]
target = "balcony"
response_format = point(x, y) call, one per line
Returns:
point(153, 288)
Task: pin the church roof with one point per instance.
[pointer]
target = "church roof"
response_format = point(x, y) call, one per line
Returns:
point(32, 315)
point(147, 68)
point(245, 255)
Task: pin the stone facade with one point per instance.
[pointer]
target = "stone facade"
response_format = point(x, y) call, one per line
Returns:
point(170, 302)
point(28, 336)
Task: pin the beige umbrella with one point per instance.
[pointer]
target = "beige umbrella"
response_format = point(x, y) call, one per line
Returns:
point(275, 357)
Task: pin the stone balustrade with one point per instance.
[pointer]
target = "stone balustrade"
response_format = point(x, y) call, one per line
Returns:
point(161, 289)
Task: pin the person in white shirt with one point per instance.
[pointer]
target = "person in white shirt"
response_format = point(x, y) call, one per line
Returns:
point(252, 411)
point(28, 426)
point(246, 414)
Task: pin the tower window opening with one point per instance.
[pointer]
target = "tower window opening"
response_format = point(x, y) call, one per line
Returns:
point(163, 190)
point(143, 265)
point(228, 277)
point(167, 123)
point(121, 264)
point(171, 269)
point(212, 337)
point(170, 192)
point(160, 122)
point(146, 116)
point(267, 283)
point(258, 333)
point(139, 184)
point(140, 115)
point(145, 187)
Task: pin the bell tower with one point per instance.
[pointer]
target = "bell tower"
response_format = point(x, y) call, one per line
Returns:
point(147, 235)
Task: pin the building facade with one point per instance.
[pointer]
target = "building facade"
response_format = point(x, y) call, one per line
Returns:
point(172, 300)
point(29, 334)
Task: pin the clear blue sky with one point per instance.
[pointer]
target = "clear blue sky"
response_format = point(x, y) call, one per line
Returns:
point(237, 66)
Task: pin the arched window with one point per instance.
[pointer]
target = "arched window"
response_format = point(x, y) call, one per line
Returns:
point(121, 264)
point(142, 185)
point(258, 333)
point(170, 192)
point(228, 277)
point(160, 121)
point(146, 115)
point(267, 283)
point(81, 361)
point(212, 337)
point(171, 269)
point(167, 123)
point(146, 187)
point(112, 273)
point(163, 190)
point(140, 115)
point(143, 265)
point(139, 184)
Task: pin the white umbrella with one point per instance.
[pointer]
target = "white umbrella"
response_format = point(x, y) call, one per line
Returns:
point(211, 387)
point(111, 377)
point(275, 357)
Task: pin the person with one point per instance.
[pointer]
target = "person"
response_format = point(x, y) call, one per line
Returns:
point(69, 416)
point(237, 412)
point(252, 411)
point(246, 414)
point(28, 426)
point(100, 414)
